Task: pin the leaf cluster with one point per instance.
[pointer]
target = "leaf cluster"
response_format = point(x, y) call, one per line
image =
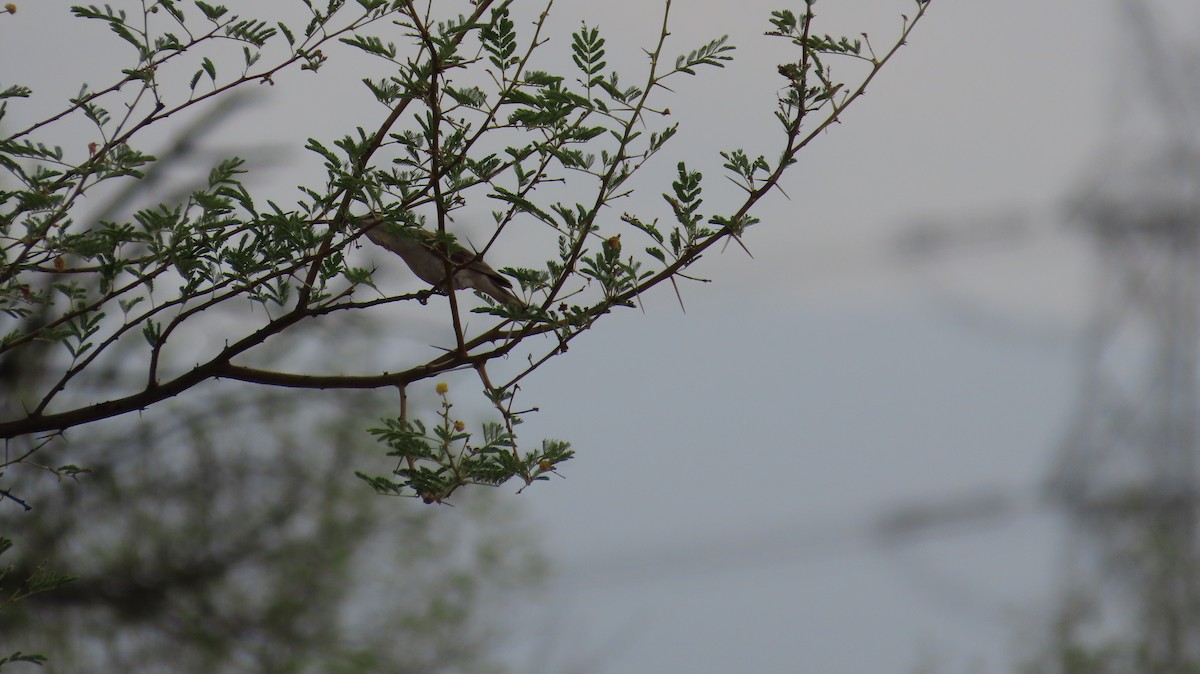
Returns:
point(41, 579)
point(434, 463)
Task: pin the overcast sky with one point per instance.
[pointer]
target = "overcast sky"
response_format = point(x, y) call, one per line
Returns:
point(735, 461)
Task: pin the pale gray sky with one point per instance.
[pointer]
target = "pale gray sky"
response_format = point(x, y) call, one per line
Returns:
point(808, 392)
point(732, 459)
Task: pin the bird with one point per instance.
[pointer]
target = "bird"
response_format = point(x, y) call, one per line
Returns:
point(426, 255)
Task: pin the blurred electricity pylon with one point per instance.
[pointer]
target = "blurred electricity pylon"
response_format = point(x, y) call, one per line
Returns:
point(1126, 473)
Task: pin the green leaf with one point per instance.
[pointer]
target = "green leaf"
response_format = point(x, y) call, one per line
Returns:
point(143, 74)
point(711, 54)
point(212, 12)
point(498, 37)
point(287, 34)
point(587, 49)
point(174, 11)
point(209, 68)
point(542, 79)
point(30, 149)
point(472, 97)
point(524, 205)
point(830, 45)
point(386, 92)
point(152, 332)
point(644, 226)
point(127, 305)
point(16, 91)
point(18, 656)
point(250, 57)
point(255, 32)
point(125, 34)
point(332, 160)
point(785, 21)
point(93, 12)
point(371, 45)
point(224, 172)
point(660, 138)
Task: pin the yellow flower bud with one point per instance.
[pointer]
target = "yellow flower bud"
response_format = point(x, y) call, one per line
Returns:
point(441, 388)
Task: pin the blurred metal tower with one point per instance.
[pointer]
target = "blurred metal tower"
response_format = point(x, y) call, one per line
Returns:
point(1127, 471)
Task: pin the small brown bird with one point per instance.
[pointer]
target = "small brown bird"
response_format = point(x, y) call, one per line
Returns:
point(426, 256)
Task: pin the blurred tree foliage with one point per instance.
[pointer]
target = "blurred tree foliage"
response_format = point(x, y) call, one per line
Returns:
point(230, 537)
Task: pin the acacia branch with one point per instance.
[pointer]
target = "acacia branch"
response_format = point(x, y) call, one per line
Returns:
point(494, 342)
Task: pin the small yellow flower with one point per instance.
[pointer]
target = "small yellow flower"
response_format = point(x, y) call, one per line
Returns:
point(545, 466)
point(441, 388)
point(11, 8)
point(614, 243)
point(459, 426)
